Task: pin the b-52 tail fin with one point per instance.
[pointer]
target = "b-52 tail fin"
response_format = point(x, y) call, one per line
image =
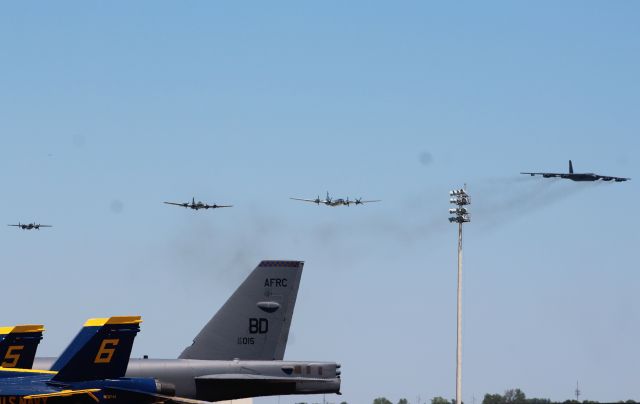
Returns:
point(570, 167)
point(254, 322)
point(101, 350)
point(18, 345)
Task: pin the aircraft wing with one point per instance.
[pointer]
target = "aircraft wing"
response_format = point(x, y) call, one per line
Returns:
point(45, 225)
point(307, 200)
point(218, 206)
point(14, 225)
point(374, 200)
point(546, 175)
point(174, 203)
point(65, 393)
point(610, 178)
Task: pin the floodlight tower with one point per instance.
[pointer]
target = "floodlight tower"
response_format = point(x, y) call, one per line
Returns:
point(460, 198)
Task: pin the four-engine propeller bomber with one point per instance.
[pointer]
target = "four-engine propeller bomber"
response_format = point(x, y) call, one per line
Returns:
point(335, 202)
point(29, 226)
point(198, 205)
point(579, 176)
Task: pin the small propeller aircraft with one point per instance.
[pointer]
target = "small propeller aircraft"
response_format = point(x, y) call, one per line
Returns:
point(579, 176)
point(335, 202)
point(29, 226)
point(197, 205)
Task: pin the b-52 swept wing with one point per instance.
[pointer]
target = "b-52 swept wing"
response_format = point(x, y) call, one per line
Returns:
point(579, 176)
point(29, 226)
point(197, 205)
point(335, 202)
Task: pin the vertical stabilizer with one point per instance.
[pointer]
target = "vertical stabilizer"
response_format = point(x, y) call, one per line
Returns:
point(570, 167)
point(18, 345)
point(101, 350)
point(254, 322)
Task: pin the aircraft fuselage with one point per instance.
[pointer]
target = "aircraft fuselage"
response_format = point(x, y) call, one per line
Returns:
point(216, 380)
point(581, 177)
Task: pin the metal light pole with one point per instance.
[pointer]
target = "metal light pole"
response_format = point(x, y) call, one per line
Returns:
point(460, 198)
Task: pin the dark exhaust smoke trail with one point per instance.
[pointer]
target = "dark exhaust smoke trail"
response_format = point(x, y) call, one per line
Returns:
point(204, 251)
point(501, 201)
point(412, 220)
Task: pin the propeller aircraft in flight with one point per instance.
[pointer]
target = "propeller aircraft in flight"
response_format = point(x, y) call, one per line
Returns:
point(579, 176)
point(197, 205)
point(336, 202)
point(29, 226)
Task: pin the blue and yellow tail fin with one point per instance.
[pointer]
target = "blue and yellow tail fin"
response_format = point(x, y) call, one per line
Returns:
point(101, 350)
point(18, 345)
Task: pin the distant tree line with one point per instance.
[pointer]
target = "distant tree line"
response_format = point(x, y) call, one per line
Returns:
point(511, 396)
point(517, 396)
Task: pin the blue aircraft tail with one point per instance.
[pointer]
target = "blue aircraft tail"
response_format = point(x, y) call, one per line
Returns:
point(101, 350)
point(18, 345)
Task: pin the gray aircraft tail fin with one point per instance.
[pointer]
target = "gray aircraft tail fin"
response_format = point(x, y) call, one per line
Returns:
point(570, 167)
point(254, 322)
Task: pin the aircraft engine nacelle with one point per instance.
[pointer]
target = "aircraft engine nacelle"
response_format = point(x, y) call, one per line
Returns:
point(167, 389)
point(546, 176)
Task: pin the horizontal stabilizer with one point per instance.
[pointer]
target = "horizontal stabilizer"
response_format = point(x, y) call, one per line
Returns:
point(217, 387)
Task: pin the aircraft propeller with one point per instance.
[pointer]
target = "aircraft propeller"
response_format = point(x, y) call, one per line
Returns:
point(328, 197)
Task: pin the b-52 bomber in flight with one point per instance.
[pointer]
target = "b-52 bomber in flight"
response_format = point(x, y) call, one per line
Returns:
point(336, 202)
point(29, 226)
point(197, 205)
point(579, 176)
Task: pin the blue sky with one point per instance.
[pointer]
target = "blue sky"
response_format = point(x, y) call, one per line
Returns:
point(107, 109)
